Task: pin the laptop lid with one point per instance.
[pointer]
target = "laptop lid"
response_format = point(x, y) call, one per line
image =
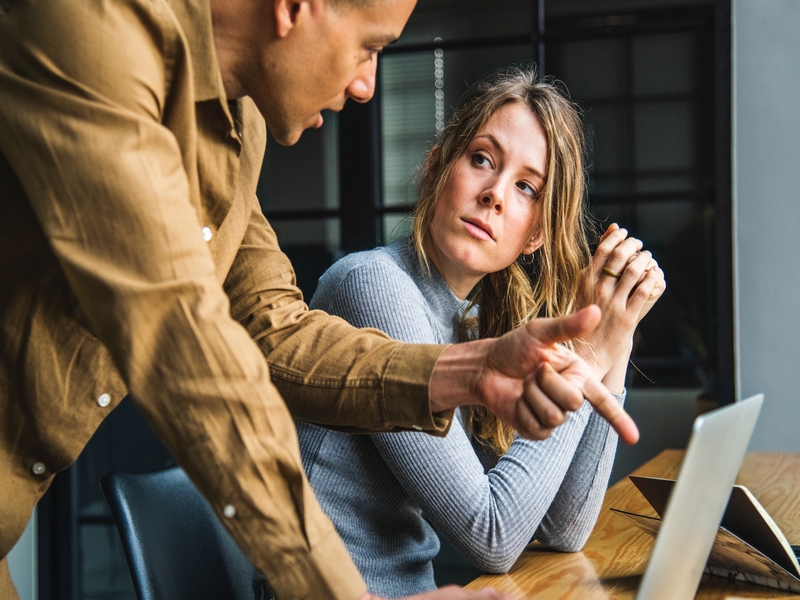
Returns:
point(715, 452)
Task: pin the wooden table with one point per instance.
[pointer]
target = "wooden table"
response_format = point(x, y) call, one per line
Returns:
point(614, 558)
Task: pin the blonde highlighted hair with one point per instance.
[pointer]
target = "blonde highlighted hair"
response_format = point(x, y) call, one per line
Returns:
point(547, 285)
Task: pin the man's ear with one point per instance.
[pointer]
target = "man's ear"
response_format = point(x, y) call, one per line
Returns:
point(287, 13)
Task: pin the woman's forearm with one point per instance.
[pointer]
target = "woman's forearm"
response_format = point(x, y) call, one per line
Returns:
point(614, 380)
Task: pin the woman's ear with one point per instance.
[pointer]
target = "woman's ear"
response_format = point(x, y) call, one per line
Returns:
point(432, 157)
point(533, 244)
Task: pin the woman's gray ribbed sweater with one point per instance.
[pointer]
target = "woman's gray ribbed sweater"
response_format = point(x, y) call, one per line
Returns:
point(376, 487)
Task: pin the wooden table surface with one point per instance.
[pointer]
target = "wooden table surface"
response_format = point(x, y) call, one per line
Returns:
point(614, 558)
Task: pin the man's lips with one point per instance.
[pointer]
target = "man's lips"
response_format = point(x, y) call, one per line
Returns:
point(479, 228)
point(318, 120)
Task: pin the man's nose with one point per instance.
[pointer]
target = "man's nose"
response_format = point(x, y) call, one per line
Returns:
point(362, 87)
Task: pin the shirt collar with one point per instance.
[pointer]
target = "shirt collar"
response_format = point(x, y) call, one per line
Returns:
point(194, 17)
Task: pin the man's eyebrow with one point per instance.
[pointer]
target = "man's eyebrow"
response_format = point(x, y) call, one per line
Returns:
point(499, 146)
point(384, 40)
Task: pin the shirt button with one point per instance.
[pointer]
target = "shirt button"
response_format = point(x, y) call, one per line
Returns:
point(417, 427)
point(103, 400)
point(207, 234)
point(229, 511)
point(38, 468)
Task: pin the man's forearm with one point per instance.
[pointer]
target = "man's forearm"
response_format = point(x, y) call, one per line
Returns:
point(455, 378)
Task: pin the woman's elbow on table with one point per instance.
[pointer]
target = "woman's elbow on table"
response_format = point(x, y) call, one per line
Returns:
point(496, 561)
point(569, 542)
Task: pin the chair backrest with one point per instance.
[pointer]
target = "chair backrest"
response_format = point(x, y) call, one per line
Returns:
point(176, 547)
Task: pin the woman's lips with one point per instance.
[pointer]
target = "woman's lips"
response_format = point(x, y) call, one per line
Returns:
point(479, 229)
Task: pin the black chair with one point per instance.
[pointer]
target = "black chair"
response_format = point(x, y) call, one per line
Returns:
point(176, 547)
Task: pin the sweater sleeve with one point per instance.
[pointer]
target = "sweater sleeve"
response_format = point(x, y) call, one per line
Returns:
point(552, 489)
point(489, 517)
point(574, 510)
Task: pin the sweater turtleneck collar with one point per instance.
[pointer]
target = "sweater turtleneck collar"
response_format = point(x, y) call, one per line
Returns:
point(446, 306)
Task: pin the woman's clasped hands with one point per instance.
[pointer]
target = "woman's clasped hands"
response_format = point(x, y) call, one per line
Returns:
point(625, 281)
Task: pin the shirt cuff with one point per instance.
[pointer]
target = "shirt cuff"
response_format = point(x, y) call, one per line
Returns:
point(406, 398)
point(325, 573)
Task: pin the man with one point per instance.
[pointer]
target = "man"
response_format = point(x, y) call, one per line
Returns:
point(135, 258)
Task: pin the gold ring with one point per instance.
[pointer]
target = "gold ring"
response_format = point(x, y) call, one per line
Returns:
point(613, 274)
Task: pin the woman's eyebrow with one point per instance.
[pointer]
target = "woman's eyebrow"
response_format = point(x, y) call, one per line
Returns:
point(491, 138)
point(534, 171)
point(499, 146)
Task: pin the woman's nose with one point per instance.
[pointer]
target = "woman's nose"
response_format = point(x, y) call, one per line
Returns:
point(493, 198)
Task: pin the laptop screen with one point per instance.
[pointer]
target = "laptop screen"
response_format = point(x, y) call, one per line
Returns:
point(695, 508)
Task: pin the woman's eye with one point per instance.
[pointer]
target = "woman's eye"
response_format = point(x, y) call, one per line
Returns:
point(480, 160)
point(528, 189)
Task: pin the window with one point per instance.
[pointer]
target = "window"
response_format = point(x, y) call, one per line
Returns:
point(645, 82)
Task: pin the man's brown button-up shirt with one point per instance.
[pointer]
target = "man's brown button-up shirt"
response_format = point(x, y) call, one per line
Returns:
point(134, 257)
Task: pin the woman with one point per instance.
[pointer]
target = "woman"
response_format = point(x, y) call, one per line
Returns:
point(500, 215)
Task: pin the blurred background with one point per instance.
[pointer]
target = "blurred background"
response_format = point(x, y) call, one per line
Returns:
point(675, 95)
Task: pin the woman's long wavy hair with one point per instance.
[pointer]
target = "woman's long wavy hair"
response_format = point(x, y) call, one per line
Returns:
point(547, 285)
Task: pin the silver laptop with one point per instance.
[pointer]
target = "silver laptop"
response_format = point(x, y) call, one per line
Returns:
point(698, 500)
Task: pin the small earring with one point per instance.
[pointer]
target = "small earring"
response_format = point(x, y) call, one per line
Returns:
point(527, 259)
